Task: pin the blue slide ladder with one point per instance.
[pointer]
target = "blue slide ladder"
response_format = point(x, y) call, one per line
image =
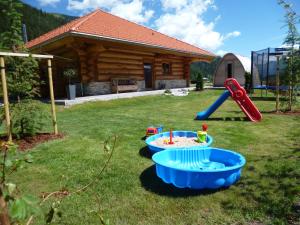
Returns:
point(205, 114)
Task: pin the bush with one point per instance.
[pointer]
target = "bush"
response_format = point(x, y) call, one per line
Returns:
point(248, 81)
point(28, 117)
point(199, 82)
point(70, 74)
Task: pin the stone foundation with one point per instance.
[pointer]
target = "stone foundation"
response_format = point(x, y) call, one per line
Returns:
point(97, 88)
point(102, 88)
point(141, 85)
point(169, 84)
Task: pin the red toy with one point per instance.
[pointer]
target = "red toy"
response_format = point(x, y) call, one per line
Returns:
point(204, 127)
point(240, 96)
point(171, 136)
point(151, 131)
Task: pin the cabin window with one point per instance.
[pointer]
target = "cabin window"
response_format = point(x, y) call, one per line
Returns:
point(166, 68)
point(229, 70)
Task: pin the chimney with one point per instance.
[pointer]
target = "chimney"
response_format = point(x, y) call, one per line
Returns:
point(24, 31)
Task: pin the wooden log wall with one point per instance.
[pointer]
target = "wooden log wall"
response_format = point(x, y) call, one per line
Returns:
point(177, 68)
point(101, 64)
point(114, 63)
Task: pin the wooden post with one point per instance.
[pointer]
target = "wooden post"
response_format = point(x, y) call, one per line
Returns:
point(277, 84)
point(187, 72)
point(52, 97)
point(5, 99)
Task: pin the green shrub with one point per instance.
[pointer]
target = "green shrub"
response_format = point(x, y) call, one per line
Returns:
point(199, 82)
point(28, 117)
point(248, 81)
point(70, 74)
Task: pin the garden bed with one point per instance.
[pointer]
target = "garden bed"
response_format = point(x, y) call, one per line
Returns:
point(30, 142)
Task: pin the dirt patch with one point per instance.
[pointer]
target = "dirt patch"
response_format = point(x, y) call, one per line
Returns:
point(283, 113)
point(288, 113)
point(30, 142)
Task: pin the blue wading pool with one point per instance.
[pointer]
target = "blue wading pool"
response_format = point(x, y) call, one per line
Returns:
point(189, 134)
point(199, 168)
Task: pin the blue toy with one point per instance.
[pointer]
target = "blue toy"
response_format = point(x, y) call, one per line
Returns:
point(199, 168)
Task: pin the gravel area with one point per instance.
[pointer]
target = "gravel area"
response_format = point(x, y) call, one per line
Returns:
point(178, 142)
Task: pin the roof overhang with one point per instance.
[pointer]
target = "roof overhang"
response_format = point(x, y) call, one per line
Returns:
point(196, 56)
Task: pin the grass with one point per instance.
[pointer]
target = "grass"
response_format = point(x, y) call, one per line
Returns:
point(129, 191)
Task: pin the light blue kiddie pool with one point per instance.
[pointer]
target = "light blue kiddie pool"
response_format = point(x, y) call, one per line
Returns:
point(199, 168)
point(189, 134)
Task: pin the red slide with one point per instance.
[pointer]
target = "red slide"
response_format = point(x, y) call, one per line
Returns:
point(240, 96)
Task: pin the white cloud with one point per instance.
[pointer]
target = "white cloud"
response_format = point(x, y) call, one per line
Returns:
point(133, 10)
point(221, 52)
point(173, 4)
point(296, 46)
point(232, 34)
point(183, 20)
point(48, 2)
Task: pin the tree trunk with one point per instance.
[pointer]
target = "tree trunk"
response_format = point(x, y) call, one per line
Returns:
point(4, 217)
point(290, 96)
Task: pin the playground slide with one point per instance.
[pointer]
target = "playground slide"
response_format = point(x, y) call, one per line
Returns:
point(239, 95)
point(205, 114)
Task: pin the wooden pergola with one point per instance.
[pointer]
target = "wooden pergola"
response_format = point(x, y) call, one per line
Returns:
point(5, 92)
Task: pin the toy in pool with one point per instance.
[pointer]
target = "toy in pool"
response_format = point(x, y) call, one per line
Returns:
point(166, 135)
point(199, 168)
point(202, 134)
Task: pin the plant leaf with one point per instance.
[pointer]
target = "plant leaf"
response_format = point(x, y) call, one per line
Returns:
point(11, 188)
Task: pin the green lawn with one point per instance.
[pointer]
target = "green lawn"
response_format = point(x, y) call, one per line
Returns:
point(129, 191)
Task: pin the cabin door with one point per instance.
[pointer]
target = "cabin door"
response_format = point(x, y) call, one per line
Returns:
point(148, 75)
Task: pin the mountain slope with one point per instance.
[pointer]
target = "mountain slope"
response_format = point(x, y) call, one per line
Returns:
point(38, 22)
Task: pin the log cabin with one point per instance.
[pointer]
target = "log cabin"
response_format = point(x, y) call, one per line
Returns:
point(104, 48)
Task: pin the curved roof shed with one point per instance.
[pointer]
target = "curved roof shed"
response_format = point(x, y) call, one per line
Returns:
point(232, 66)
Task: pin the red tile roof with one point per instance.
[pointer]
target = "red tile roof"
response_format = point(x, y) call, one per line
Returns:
point(105, 25)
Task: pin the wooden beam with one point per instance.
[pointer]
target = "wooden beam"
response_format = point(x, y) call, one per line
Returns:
point(5, 99)
point(187, 72)
point(26, 55)
point(52, 97)
point(131, 51)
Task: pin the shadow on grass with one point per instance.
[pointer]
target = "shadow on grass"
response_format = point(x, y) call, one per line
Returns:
point(274, 189)
point(144, 152)
point(264, 98)
point(227, 119)
point(151, 182)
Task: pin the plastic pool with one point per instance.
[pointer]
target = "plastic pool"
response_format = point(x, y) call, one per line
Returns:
point(206, 168)
point(189, 134)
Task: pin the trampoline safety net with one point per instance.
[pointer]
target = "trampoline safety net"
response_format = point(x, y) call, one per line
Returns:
point(264, 66)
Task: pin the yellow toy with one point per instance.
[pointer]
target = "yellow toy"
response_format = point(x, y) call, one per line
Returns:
point(202, 135)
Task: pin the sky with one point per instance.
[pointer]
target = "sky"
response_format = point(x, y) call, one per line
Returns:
point(220, 26)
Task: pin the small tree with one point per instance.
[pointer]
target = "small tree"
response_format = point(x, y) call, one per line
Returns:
point(70, 74)
point(199, 82)
point(292, 39)
point(11, 39)
point(23, 80)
